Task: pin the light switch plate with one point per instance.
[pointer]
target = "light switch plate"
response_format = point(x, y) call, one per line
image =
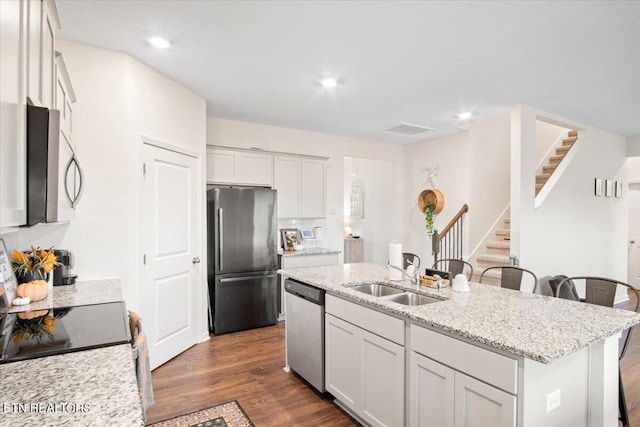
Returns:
point(332, 211)
point(553, 400)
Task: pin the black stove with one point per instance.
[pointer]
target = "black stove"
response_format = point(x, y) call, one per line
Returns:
point(39, 333)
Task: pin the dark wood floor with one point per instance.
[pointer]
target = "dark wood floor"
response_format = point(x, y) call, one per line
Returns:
point(243, 366)
point(247, 367)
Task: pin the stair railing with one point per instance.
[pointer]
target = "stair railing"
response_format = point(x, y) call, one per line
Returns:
point(448, 243)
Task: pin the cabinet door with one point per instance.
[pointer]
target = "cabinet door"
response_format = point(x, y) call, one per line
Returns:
point(221, 166)
point(48, 57)
point(382, 380)
point(431, 393)
point(13, 25)
point(34, 52)
point(254, 168)
point(286, 179)
point(479, 405)
point(64, 98)
point(312, 189)
point(341, 361)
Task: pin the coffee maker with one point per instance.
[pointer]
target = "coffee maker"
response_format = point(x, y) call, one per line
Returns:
point(62, 274)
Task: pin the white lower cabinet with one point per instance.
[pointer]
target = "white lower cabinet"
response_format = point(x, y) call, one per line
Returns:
point(431, 393)
point(381, 380)
point(341, 361)
point(478, 404)
point(365, 371)
point(443, 397)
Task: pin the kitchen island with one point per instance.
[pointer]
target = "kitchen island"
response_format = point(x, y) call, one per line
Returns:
point(90, 387)
point(492, 356)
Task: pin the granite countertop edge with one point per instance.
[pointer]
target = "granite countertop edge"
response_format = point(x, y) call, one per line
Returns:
point(309, 252)
point(421, 315)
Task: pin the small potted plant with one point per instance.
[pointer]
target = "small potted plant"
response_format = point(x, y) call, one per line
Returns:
point(32, 269)
point(428, 210)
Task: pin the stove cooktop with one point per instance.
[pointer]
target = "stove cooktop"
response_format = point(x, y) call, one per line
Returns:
point(39, 333)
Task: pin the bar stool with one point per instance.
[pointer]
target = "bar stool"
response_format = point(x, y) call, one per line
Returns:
point(602, 291)
point(454, 266)
point(511, 277)
point(410, 259)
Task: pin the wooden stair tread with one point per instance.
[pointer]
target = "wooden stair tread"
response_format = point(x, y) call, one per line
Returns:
point(563, 149)
point(542, 178)
point(549, 168)
point(557, 158)
point(507, 220)
point(569, 141)
point(573, 133)
point(503, 232)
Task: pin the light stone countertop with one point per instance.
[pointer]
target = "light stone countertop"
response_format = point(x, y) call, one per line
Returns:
point(538, 327)
point(83, 292)
point(308, 252)
point(98, 386)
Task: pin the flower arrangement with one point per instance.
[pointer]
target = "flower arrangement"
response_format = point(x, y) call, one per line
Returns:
point(35, 260)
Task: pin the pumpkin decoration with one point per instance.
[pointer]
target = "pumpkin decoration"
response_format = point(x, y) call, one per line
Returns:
point(29, 315)
point(34, 290)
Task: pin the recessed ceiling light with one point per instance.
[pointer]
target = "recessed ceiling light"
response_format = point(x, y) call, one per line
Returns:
point(465, 116)
point(329, 82)
point(159, 42)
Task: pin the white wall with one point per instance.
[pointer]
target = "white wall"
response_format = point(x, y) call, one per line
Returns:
point(119, 99)
point(572, 232)
point(375, 179)
point(451, 153)
point(233, 133)
point(633, 146)
point(633, 167)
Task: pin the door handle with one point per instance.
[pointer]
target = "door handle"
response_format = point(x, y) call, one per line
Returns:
point(220, 239)
point(196, 260)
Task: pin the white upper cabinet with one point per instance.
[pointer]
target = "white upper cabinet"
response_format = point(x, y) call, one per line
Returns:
point(312, 188)
point(42, 24)
point(286, 179)
point(301, 183)
point(13, 27)
point(239, 167)
point(64, 99)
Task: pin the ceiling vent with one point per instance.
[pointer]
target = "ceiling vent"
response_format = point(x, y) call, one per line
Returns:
point(408, 129)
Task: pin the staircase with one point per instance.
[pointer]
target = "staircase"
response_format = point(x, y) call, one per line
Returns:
point(555, 160)
point(498, 252)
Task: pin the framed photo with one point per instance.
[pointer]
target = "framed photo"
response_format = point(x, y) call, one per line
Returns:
point(290, 238)
point(598, 187)
point(619, 189)
point(8, 280)
point(307, 233)
point(608, 188)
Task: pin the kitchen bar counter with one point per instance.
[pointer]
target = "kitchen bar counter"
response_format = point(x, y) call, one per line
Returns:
point(91, 387)
point(537, 327)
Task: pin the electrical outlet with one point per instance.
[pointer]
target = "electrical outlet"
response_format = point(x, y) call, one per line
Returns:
point(553, 400)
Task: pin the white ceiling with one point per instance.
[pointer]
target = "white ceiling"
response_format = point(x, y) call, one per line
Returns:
point(416, 62)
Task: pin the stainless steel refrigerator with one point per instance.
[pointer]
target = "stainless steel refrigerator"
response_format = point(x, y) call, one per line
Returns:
point(242, 258)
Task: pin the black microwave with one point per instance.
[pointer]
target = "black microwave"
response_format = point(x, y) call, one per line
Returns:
point(43, 150)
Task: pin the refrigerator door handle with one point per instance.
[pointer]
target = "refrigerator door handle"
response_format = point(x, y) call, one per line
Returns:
point(238, 279)
point(220, 239)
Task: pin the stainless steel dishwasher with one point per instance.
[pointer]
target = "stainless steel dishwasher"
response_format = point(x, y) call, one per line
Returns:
point(305, 331)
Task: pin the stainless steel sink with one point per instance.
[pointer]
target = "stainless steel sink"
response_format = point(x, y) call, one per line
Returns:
point(377, 290)
point(412, 299)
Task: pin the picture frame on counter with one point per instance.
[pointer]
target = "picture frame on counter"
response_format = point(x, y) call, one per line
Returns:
point(307, 233)
point(290, 238)
point(8, 282)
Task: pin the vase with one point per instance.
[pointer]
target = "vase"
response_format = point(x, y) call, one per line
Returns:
point(30, 276)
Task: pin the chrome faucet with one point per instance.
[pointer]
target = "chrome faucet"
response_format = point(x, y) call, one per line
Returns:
point(413, 279)
point(438, 281)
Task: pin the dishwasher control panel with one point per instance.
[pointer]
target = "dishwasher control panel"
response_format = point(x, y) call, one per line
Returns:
point(305, 291)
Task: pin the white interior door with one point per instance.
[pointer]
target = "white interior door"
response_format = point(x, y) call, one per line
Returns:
point(634, 234)
point(169, 243)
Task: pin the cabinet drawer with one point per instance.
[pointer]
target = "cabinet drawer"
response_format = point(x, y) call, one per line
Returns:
point(495, 369)
point(380, 324)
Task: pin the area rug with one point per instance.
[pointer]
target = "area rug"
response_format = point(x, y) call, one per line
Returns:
point(228, 414)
